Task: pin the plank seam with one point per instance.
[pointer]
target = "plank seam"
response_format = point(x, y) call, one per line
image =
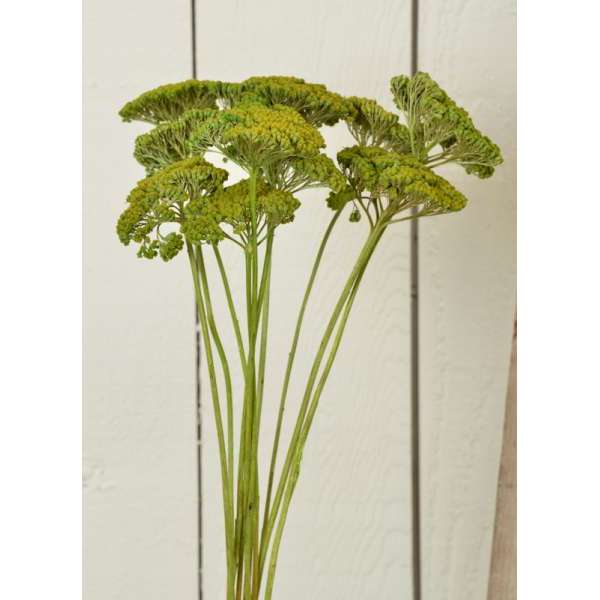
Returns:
point(415, 427)
point(198, 360)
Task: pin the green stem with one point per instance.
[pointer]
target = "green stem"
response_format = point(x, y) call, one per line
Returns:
point(226, 375)
point(251, 492)
point(370, 243)
point(231, 306)
point(214, 394)
point(308, 422)
point(286, 380)
point(263, 299)
point(263, 304)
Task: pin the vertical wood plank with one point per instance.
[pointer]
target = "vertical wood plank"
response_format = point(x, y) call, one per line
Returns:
point(467, 294)
point(348, 535)
point(139, 448)
point(503, 571)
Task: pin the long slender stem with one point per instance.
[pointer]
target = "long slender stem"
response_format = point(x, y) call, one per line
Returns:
point(214, 393)
point(365, 253)
point(263, 300)
point(286, 380)
point(226, 373)
point(251, 492)
point(308, 422)
point(230, 304)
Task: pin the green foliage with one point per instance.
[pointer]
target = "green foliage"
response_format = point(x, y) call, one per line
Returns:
point(434, 119)
point(170, 101)
point(256, 137)
point(160, 199)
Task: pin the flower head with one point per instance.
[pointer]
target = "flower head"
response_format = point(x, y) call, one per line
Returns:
point(169, 142)
point(255, 136)
point(371, 125)
point(402, 180)
point(161, 198)
point(313, 101)
point(170, 101)
point(205, 216)
point(434, 119)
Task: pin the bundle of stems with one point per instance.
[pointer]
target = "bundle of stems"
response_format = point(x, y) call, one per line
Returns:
point(269, 128)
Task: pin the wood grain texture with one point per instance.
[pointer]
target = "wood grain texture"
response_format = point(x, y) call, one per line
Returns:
point(139, 449)
point(503, 570)
point(467, 297)
point(348, 535)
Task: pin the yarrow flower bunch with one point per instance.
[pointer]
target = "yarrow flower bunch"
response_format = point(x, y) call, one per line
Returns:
point(269, 126)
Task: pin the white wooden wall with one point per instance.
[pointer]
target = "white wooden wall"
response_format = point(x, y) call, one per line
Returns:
point(348, 536)
point(467, 301)
point(139, 486)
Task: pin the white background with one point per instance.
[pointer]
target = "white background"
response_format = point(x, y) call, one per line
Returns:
point(349, 532)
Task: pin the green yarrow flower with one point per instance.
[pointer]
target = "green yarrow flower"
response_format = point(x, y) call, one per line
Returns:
point(160, 199)
point(269, 127)
point(434, 119)
point(255, 136)
point(371, 125)
point(168, 102)
point(206, 216)
point(313, 101)
point(169, 142)
point(402, 180)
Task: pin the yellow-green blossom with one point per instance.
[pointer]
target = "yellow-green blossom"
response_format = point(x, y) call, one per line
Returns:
point(205, 216)
point(255, 136)
point(170, 101)
point(402, 180)
point(313, 101)
point(161, 198)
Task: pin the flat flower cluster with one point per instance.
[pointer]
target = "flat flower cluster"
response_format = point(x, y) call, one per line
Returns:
point(270, 128)
point(270, 125)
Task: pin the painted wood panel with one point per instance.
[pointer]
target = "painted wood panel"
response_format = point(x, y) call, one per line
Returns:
point(503, 569)
point(348, 536)
point(139, 448)
point(467, 301)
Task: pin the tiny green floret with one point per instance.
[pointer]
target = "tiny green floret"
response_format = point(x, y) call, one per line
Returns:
point(337, 200)
point(434, 119)
point(170, 101)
